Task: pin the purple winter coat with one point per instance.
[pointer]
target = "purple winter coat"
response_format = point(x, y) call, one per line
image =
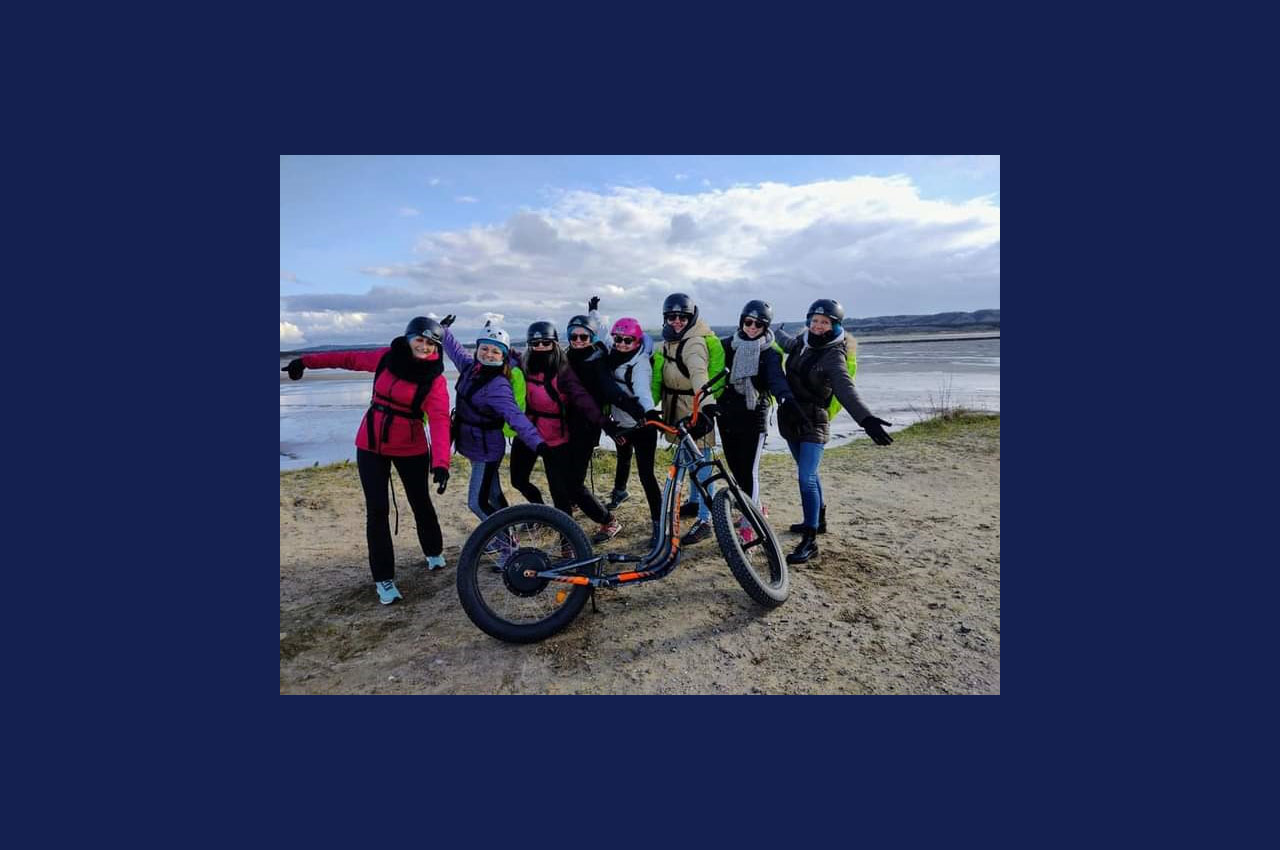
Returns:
point(492, 404)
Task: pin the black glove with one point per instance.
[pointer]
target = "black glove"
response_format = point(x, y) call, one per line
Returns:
point(447, 320)
point(440, 476)
point(794, 410)
point(632, 408)
point(294, 368)
point(610, 427)
point(654, 415)
point(706, 421)
point(593, 303)
point(874, 427)
point(542, 450)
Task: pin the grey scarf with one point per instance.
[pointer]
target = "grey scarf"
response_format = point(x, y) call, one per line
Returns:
point(746, 364)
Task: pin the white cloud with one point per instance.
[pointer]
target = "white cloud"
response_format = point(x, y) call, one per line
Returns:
point(682, 176)
point(872, 242)
point(467, 199)
point(406, 211)
point(434, 181)
point(706, 182)
point(291, 334)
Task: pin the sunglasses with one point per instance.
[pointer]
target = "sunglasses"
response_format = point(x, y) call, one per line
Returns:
point(671, 317)
point(754, 323)
point(580, 337)
point(625, 340)
point(542, 343)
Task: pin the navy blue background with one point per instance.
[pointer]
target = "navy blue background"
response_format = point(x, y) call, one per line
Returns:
point(212, 527)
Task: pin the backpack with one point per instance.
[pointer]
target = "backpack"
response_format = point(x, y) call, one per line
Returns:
point(517, 389)
point(851, 366)
point(715, 365)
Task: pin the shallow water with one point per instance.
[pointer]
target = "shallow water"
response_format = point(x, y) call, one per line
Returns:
point(899, 382)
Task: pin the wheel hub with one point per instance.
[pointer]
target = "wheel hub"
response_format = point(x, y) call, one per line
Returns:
point(513, 570)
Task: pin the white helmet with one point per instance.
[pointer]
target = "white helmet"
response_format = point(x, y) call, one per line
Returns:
point(495, 336)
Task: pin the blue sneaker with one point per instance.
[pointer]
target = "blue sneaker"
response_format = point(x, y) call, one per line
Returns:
point(387, 592)
point(435, 562)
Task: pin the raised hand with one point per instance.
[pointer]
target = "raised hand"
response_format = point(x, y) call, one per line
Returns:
point(448, 320)
point(593, 303)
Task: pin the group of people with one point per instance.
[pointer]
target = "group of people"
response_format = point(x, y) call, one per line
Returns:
point(555, 400)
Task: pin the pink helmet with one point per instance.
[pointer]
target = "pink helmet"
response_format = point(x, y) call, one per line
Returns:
point(628, 326)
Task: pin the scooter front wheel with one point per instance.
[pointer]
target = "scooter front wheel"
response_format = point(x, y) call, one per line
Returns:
point(757, 563)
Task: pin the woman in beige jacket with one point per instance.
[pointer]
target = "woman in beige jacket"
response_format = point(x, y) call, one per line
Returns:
point(684, 371)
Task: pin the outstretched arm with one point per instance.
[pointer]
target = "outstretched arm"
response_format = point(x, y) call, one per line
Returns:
point(462, 361)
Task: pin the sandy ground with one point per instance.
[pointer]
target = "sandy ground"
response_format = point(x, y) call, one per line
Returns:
point(903, 598)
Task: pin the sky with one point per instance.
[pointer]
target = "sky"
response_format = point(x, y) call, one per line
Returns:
point(369, 242)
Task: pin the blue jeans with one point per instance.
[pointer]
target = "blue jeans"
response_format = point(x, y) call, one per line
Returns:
point(695, 498)
point(808, 456)
point(484, 479)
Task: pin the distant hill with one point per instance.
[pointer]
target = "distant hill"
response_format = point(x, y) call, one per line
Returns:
point(979, 320)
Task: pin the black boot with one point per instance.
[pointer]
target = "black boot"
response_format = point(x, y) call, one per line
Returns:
point(798, 527)
point(807, 549)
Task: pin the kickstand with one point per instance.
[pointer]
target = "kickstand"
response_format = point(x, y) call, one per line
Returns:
point(593, 601)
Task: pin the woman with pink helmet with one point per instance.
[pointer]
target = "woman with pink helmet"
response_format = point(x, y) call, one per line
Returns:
point(632, 370)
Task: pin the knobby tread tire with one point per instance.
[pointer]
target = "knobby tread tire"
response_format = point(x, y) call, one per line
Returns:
point(727, 537)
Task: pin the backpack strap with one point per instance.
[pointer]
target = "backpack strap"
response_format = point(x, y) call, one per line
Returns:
point(473, 418)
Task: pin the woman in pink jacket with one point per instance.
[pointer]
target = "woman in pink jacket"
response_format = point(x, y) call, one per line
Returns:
point(406, 384)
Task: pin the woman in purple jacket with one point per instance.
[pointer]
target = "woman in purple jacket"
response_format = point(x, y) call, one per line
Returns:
point(483, 402)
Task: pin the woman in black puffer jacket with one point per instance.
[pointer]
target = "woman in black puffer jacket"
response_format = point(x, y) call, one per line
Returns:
point(816, 370)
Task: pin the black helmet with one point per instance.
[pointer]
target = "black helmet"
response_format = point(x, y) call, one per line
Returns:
point(541, 330)
point(590, 323)
point(678, 302)
point(429, 328)
point(758, 310)
point(826, 307)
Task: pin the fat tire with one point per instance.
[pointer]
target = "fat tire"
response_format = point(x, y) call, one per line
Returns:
point(730, 546)
point(469, 563)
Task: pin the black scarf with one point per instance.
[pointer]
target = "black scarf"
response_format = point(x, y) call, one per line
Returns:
point(616, 358)
point(669, 333)
point(406, 367)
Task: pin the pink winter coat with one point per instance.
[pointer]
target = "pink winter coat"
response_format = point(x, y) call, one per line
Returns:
point(397, 434)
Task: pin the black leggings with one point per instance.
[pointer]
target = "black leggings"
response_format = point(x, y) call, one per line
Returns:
point(567, 488)
point(522, 462)
point(645, 445)
point(375, 472)
point(742, 452)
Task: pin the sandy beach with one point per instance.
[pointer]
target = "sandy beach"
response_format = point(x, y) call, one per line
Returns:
point(903, 598)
